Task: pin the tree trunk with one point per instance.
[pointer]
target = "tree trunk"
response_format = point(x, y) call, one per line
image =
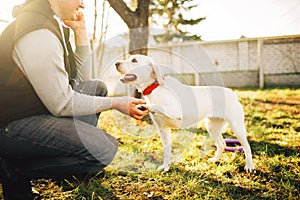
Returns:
point(138, 41)
point(137, 22)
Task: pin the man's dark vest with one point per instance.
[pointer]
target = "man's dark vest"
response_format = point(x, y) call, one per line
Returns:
point(17, 97)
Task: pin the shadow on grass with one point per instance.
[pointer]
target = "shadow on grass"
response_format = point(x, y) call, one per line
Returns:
point(265, 185)
point(90, 188)
point(271, 149)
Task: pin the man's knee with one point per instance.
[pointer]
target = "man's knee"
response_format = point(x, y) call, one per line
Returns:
point(101, 89)
point(110, 151)
point(92, 87)
point(100, 146)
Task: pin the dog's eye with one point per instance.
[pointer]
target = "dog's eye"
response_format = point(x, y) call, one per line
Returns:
point(134, 60)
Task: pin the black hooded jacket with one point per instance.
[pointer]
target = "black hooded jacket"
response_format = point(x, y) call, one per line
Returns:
point(17, 97)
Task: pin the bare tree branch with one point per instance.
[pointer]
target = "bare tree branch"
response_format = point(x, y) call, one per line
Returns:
point(5, 21)
point(122, 9)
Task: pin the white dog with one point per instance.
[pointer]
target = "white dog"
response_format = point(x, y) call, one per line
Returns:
point(173, 105)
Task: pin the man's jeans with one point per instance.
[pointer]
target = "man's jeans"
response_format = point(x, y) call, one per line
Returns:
point(45, 146)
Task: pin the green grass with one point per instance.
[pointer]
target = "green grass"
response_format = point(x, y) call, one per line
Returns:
point(272, 118)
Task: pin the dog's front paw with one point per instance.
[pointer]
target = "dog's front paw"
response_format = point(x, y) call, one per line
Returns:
point(164, 168)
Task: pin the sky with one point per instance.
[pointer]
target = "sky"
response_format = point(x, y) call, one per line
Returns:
point(225, 19)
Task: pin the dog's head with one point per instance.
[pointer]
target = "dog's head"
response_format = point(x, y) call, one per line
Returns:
point(139, 70)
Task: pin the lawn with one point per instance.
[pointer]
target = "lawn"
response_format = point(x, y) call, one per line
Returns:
point(272, 117)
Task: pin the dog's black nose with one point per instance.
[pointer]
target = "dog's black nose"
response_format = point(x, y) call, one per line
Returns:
point(117, 64)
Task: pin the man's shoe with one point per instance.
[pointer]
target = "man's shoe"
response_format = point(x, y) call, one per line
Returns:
point(14, 186)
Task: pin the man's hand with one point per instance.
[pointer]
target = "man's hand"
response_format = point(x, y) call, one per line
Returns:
point(129, 106)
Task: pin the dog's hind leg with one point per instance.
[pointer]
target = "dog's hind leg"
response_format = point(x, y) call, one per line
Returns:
point(166, 138)
point(215, 126)
point(239, 129)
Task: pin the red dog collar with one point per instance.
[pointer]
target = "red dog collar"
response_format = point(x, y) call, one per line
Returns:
point(150, 88)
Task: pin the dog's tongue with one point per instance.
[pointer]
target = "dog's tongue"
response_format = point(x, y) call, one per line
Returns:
point(128, 77)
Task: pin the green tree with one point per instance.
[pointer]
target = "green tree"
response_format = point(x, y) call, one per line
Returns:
point(167, 14)
point(171, 16)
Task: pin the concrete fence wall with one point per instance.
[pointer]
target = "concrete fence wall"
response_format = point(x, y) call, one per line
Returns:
point(255, 62)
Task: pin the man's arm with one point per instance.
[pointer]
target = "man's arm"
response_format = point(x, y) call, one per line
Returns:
point(83, 57)
point(39, 54)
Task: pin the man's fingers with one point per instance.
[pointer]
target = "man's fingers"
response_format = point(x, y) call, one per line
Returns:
point(138, 101)
point(79, 16)
point(139, 113)
point(139, 117)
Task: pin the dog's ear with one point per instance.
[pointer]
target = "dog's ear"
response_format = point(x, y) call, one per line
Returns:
point(158, 74)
